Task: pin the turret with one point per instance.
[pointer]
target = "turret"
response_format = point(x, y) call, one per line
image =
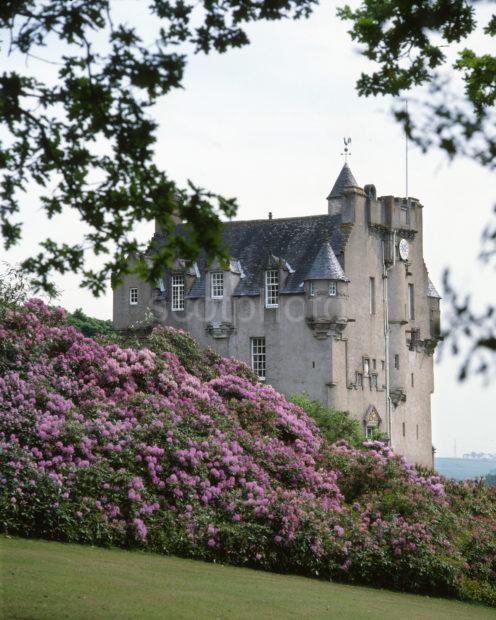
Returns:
point(345, 196)
point(327, 289)
point(434, 298)
point(335, 198)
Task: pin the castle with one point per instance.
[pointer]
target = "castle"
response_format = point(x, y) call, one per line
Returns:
point(339, 306)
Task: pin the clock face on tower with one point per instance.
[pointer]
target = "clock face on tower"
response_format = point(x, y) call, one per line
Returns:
point(403, 248)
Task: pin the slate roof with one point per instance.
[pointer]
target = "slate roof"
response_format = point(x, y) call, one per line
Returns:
point(431, 290)
point(305, 246)
point(344, 179)
point(326, 266)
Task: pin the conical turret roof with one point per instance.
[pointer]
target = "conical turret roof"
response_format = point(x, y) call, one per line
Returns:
point(325, 266)
point(345, 179)
point(431, 290)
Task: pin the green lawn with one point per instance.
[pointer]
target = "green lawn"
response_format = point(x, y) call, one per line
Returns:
point(53, 580)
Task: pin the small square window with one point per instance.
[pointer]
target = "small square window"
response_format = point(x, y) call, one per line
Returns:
point(217, 282)
point(133, 296)
point(333, 289)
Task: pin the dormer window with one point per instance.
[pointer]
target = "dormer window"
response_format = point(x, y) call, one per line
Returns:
point(271, 288)
point(161, 286)
point(178, 292)
point(217, 284)
point(333, 289)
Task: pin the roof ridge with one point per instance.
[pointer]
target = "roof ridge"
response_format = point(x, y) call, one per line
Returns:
point(279, 219)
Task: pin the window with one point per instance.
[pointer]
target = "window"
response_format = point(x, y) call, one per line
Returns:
point(177, 292)
point(374, 364)
point(258, 357)
point(417, 432)
point(373, 381)
point(372, 295)
point(217, 283)
point(413, 380)
point(414, 339)
point(435, 326)
point(161, 286)
point(133, 296)
point(312, 288)
point(404, 429)
point(366, 366)
point(333, 289)
point(396, 361)
point(411, 302)
point(383, 365)
point(369, 432)
point(359, 380)
point(405, 214)
point(271, 288)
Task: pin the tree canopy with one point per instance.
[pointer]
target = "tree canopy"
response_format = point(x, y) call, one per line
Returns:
point(86, 141)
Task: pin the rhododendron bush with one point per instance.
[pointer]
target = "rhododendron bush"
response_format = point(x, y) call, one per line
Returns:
point(176, 450)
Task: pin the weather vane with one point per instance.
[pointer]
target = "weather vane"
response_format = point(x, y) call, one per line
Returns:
point(346, 152)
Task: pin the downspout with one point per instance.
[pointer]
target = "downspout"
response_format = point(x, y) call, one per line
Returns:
point(386, 332)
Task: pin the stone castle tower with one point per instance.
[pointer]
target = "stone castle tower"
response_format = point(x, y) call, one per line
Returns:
point(339, 306)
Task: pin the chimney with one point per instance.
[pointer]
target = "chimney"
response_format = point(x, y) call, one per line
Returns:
point(176, 220)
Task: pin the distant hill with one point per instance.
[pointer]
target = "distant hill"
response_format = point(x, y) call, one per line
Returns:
point(463, 469)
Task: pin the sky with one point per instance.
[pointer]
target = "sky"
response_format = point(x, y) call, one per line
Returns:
point(266, 124)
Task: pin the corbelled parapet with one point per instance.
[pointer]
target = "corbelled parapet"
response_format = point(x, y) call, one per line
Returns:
point(219, 329)
point(327, 327)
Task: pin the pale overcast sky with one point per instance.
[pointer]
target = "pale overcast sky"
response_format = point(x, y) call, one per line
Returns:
point(266, 124)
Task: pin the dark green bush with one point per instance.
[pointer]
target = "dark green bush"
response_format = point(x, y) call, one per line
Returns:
point(333, 424)
point(88, 325)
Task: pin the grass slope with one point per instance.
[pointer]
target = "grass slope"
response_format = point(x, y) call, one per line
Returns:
point(49, 580)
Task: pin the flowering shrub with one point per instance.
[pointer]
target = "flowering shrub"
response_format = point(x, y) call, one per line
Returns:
point(192, 456)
